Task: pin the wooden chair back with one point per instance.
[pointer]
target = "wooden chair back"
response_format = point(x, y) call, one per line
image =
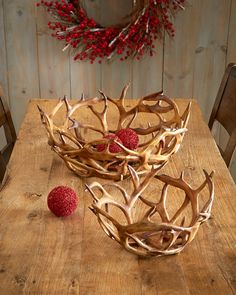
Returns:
point(224, 110)
point(10, 134)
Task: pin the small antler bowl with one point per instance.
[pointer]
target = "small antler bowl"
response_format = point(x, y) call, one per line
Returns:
point(157, 226)
point(76, 141)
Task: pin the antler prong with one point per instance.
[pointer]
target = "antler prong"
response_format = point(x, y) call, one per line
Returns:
point(143, 235)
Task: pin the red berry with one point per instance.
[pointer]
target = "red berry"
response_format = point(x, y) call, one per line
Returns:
point(129, 138)
point(113, 147)
point(62, 201)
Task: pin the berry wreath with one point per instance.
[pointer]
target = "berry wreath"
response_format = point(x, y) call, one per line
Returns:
point(92, 41)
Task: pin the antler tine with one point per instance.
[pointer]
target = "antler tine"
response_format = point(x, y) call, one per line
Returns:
point(155, 150)
point(68, 106)
point(207, 181)
point(132, 118)
point(186, 115)
point(142, 186)
point(208, 205)
point(91, 192)
point(102, 116)
point(41, 112)
point(45, 119)
point(83, 103)
point(82, 98)
point(76, 126)
point(123, 93)
point(134, 177)
point(145, 236)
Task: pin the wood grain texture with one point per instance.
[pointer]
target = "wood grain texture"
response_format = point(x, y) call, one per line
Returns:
point(54, 69)
point(84, 76)
point(42, 254)
point(115, 73)
point(3, 54)
point(179, 54)
point(231, 53)
point(231, 57)
point(211, 49)
point(146, 75)
point(22, 62)
point(33, 64)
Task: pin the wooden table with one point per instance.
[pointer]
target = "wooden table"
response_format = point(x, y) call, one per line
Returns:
point(42, 254)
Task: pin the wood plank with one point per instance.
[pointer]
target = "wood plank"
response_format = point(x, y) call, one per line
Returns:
point(54, 66)
point(42, 254)
point(115, 74)
point(21, 46)
point(3, 71)
point(231, 52)
point(109, 13)
point(211, 48)
point(179, 53)
point(231, 57)
point(86, 77)
point(3, 55)
point(50, 172)
point(147, 73)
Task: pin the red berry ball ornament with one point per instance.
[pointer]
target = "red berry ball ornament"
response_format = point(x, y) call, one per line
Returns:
point(62, 201)
point(113, 147)
point(129, 138)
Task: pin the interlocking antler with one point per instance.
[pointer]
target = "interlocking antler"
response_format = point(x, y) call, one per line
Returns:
point(145, 236)
point(80, 154)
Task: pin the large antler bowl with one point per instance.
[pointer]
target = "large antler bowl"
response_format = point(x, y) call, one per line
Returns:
point(76, 142)
point(152, 226)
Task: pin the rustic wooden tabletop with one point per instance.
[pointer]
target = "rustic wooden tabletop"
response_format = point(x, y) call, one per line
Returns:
point(43, 254)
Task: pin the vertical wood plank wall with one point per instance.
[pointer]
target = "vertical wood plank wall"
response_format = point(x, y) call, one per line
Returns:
point(190, 65)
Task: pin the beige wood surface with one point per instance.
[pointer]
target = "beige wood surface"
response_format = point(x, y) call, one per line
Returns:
point(231, 54)
point(146, 75)
point(84, 76)
point(42, 254)
point(231, 57)
point(3, 54)
point(22, 58)
point(179, 54)
point(211, 50)
point(51, 65)
point(194, 61)
point(114, 71)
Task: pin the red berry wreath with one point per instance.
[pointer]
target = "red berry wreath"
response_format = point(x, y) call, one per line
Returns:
point(92, 41)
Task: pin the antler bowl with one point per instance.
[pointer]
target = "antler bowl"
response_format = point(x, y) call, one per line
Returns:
point(156, 224)
point(76, 141)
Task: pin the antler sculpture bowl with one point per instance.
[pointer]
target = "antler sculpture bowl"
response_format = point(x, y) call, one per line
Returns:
point(157, 226)
point(75, 141)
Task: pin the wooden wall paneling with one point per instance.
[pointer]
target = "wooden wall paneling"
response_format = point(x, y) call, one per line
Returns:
point(179, 53)
point(231, 57)
point(211, 48)
point(3, 54)
point(21, 47)
point(54, 67)
point(147, 73)
point(231, 52)
point(86, 77)
point(116, 74)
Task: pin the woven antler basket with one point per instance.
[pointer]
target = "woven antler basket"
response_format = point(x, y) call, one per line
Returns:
point(156, 227)
point(74, 142)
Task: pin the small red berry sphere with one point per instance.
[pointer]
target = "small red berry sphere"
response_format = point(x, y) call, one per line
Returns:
point(113, 147)
point(129, 138)
point(62, 201)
